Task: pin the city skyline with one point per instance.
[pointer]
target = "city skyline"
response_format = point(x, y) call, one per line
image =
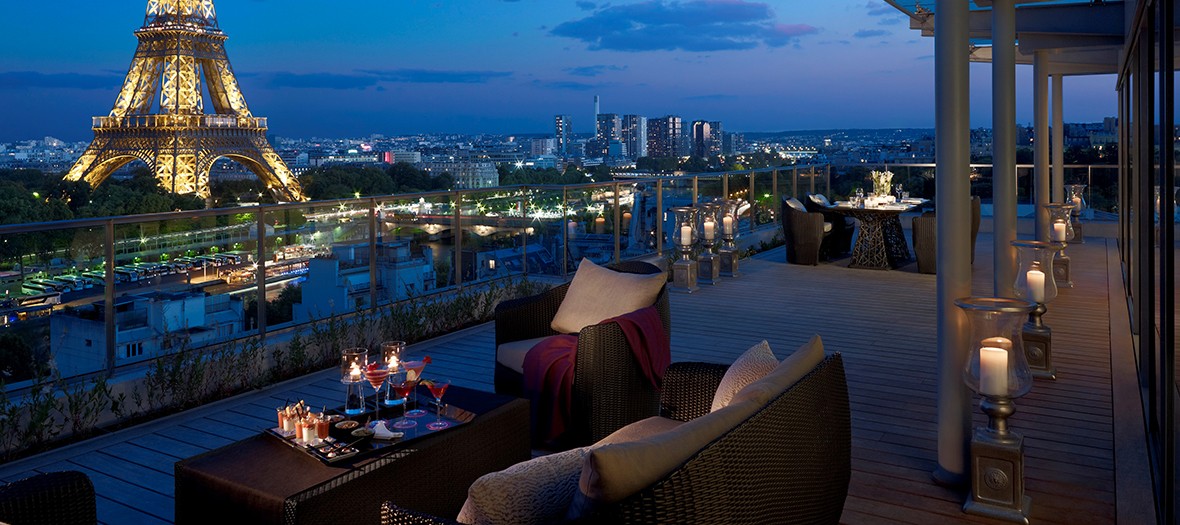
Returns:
point(509, 66)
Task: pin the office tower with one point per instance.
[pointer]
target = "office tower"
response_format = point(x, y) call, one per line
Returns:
point(608, 129)
point(706, 138)
point(634, 136)
point(563, 134)
point(664, 137)
point(595, 107)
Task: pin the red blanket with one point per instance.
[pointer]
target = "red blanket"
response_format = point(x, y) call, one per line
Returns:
point(549, 368)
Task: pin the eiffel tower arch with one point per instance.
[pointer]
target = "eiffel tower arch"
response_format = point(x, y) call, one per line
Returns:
point(161, 116)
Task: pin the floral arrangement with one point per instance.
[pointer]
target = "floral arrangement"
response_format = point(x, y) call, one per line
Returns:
point(882, 181)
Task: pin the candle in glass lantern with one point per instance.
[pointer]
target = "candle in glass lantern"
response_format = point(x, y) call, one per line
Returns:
point(626, 219)
point(686, 235)
point(993, 371)
point(1036, 285)
point(491, 264)
point(1077, 203)
point(571, 228)
point(599, 224)
point(709, 229)
point(998, 342)
point(354, 373)
point(727, 224)
point(1059, 231)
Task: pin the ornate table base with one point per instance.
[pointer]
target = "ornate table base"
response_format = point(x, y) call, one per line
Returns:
point(880, 243)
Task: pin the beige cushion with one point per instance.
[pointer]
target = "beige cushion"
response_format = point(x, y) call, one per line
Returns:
point(787, 373)
point(597, 294)
point(639, 430)
point(512, 354)
point(756, 362)
point(535, 491)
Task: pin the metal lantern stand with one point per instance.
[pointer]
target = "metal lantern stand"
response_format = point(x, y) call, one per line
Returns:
point(1059, 214)
point(997, 370)
point(728, 251)
point(710, 263)
point(1036, 257)
point(685, 269)
point(1078, 199)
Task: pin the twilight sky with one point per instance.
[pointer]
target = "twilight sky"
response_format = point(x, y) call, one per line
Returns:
point(333, 69)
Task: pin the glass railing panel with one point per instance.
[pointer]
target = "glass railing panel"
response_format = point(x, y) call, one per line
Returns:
point(589, 233)
point(316, 261)
point(492, 224)
point(711, 187)
point(415, 246)
point(545, 231)
point(52, 306)
point(760, 196)
point(640, 216)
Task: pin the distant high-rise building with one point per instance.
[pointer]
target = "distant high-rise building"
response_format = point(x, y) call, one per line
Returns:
point(563, 134)
point(543, 147)
point(608, 129)
point(706, 138)
point(733, 143)
point(664, 137)
point(634, 135)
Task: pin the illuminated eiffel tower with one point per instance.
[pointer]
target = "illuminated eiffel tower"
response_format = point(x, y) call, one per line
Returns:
point(181, 56)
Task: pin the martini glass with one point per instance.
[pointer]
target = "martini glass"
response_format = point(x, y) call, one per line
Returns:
point(414, 373)
point(402, 388)
point(376, 375)
point(437, 389)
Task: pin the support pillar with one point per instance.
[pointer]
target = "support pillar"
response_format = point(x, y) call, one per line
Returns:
point(1004, 145)
point(1057, 191)
point(1041, 142)
point(953, 153)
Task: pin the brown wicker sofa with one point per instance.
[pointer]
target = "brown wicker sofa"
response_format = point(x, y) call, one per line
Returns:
point(610, 390)
point(788, 462)
point(53, 498)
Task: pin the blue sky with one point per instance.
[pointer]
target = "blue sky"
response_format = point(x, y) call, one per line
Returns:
point(323, 68)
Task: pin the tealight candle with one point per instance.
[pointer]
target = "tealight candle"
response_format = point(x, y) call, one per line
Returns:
point(727, 225)
point(1036, 285)
point(686, 235)
point(993, 371)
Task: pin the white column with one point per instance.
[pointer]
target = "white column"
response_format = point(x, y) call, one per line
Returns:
point(1004, 145)
point(1041, 142)
point(953, 172)
point(1058, 182)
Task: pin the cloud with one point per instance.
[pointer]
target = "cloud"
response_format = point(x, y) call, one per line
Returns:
point(879, 8)
point(434, 76)
point(668, 25)
point(37, 80)
point(568, 85)
point(592, 71)
point(286, 79)
point(585, 6)
point(870, 33)
point(890, 21)
point(715, 96)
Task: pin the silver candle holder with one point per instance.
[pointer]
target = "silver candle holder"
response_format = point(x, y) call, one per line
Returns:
point(710, 263)
point(1035, 282)
point(728, 253)
point(686, 268)
point(1077, 197)
point(1061, 230)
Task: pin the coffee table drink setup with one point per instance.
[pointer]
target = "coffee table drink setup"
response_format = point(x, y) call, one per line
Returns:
point(336, 463)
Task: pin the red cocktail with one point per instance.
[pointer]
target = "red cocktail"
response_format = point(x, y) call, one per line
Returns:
point(437, 389)
point(414, 373)
point(376, 376)
point(402, 387)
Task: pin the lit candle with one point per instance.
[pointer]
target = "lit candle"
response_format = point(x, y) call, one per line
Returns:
point(1077, 203)
point(1059, 231)
point(993, 371)
point(709, 227)
point(1036, 285)
point(354, 374)
point(626, 219)
point(393, 363)
point(998, 342)
point(572, 228)
point(685, 235)
point(491, 264)
point(599, 224)
point(727, 224)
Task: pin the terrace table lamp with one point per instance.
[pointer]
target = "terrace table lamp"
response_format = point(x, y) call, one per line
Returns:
point(1035, 283)
point(728, 251)
point(996, 369)
point(1061, 230)
point(710, 263)
point(685, 269)
point(352, 373)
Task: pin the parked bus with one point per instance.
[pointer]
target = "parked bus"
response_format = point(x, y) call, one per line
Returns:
point(36, 288)
point(75, 282)
point(126, 275)
point(45, 299)
point(98, 278)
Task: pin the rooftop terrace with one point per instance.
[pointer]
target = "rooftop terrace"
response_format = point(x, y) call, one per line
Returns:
point(1085, 461)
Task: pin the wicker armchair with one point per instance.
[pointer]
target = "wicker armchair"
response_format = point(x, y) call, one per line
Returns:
point(926, 237)
point(803, 232)
point(610, 391)
point(788, 463)
point(55, 498)
point(839, 241)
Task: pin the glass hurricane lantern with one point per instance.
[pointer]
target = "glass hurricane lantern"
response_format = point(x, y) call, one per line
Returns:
point(1061, 230)
point(352, 373)
point(1035, 283)
point(684, 236)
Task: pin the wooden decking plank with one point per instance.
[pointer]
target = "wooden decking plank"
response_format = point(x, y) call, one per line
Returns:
point(109, 486)
point(128, 472)
point(168, 445)
point(112, 512)
point(142, 456)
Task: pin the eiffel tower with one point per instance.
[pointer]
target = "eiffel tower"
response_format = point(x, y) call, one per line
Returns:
point(181, 56)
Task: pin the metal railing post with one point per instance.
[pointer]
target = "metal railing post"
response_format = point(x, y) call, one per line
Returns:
point(457, 229)
point(752, 199)
point(618, 217)
point(811, 177)
point(695, 189)
point(725, 185)
point(795, 181)
point(774, 188)
point(260, 275)
point(373, 225)
point(565, 232)
point(109, 295)
point(660, 217)
point(524, 231)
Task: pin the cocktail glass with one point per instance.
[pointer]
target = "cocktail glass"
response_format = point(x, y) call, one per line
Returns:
point(414, 373)
point(391, 354)
point(402, 388)
point(437, 389)
point(376, 374)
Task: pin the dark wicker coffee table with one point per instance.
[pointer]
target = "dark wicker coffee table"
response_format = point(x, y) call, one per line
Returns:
point(261, 480)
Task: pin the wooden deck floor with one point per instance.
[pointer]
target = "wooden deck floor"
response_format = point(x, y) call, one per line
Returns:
point(883, 323)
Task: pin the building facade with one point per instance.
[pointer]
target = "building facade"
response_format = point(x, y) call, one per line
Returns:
point(664, 137)
point(634, 136)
